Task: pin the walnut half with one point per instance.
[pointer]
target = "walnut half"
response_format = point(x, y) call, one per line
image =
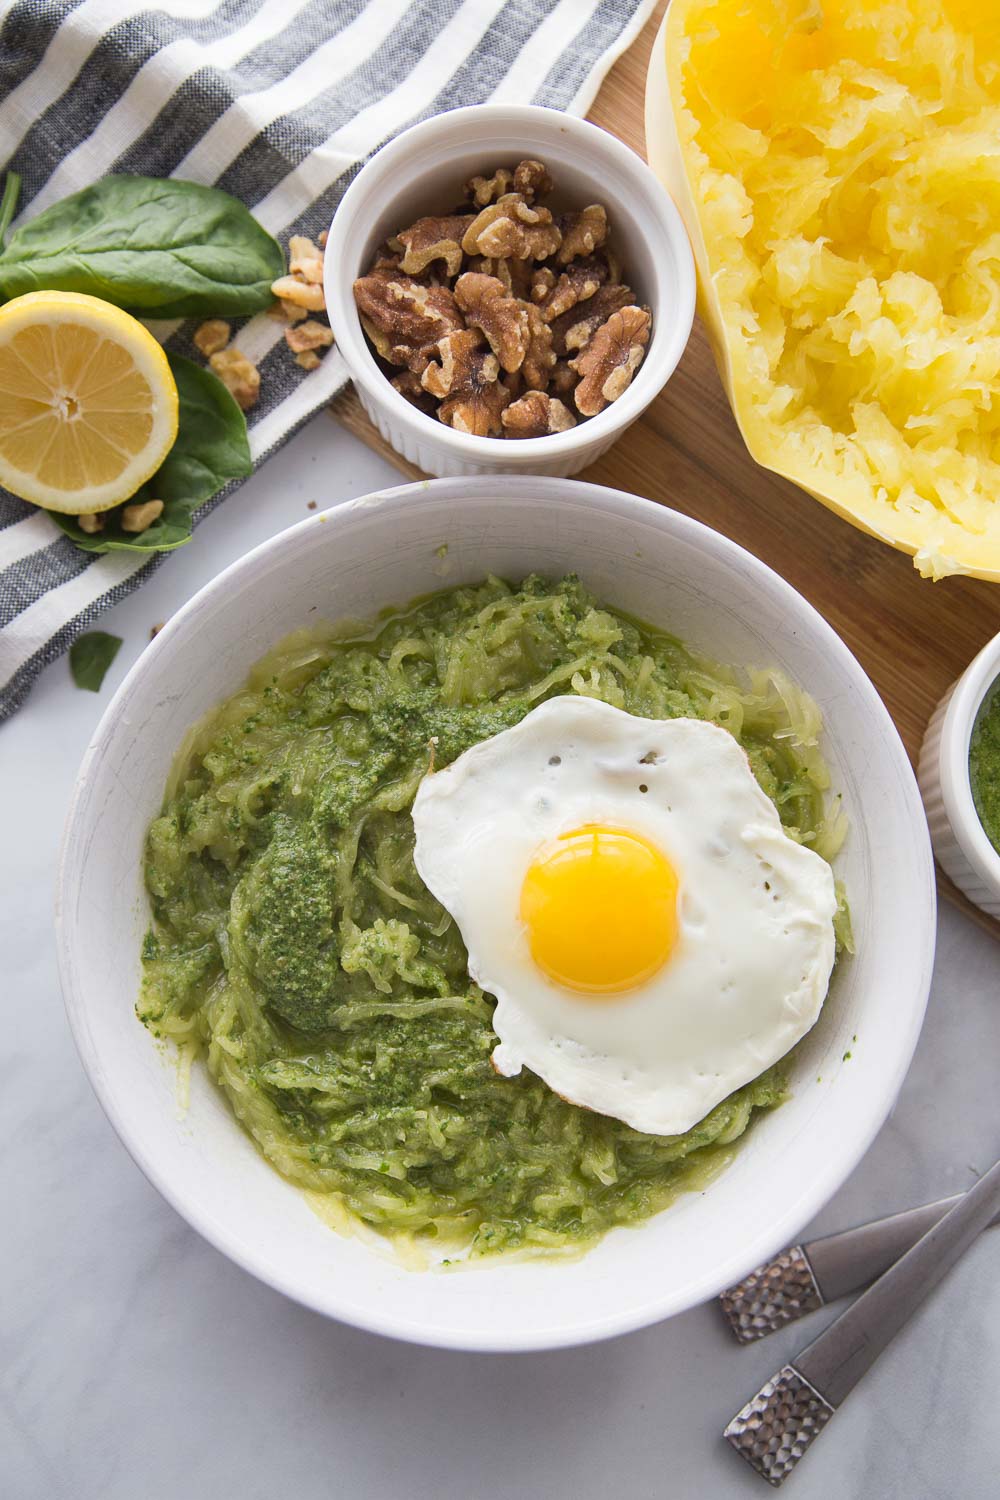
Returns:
point(432, 239)
point(502, 319)
point(576, 284)
point(537, 415)
point(539, 357)
point(573, 330)
point(582, 233)
point(468, 385)
point(512, 227)
point(403, 318)
point(609, 361)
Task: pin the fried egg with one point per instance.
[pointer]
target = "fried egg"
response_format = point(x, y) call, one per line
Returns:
point(652, 936)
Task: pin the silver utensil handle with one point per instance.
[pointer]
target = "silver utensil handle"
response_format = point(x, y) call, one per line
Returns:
point(846, 1262)
point(804, 1277)
point(775, 1294)
point(839, 1357)
point(778, 1424)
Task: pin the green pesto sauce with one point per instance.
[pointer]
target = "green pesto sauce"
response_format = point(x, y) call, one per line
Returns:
point(984, 765)
point(295, 945)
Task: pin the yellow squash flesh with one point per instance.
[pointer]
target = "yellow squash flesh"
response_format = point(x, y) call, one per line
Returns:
point(837, 165)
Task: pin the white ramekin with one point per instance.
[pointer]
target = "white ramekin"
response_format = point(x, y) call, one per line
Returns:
point(422, 172)
point(960, 843)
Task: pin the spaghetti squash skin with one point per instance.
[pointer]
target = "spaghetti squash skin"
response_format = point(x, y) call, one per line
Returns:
point(294, 945)
point(838, 168)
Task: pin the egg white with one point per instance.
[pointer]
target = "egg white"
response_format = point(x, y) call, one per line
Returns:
point(755, 949)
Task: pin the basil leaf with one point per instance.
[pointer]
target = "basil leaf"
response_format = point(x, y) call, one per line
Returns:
point(90, 656)
point(155, 246)
point(8, 203)
point(210, 450)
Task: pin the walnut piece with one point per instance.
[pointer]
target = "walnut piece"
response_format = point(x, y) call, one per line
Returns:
point(308, 360)
point(387, 258)
point(502, 319)
point(611, 358)
point(238, 375)
point(574, 329)
point(576, 284)
point(531, 180)
point(211, 336)
point(484, 190)
point(512, 227)
point(407, 383)
point(403, 318)
point(522, 241)
point(536, 415)
point(515, 274)
point(466, 381)
point(543, 279)
point(613, 264)
point(91, 523)
point(455, 353)
point(582, 233)
point(477, 412)
point(308, 336)
point(300, 293)
point(563, 380)
point(305, 259)
point(434, 239)
point(513, 383)
point(140, 517)
point(539, 357)
point(287, 312)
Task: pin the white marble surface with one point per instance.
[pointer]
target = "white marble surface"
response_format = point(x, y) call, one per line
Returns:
point(138, 1364)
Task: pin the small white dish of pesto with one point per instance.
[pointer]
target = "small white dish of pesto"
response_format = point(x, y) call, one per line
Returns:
point(455, 955)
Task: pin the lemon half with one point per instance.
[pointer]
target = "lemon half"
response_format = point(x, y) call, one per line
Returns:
point(88, 406)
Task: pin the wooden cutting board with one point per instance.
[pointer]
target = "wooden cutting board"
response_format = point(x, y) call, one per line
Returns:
point(912, 637)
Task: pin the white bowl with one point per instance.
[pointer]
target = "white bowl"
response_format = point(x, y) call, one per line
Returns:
point(383, 550)
point(960, 842)
point(421, 172)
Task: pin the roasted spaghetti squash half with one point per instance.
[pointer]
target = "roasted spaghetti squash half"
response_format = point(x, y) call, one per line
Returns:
point(837, 163)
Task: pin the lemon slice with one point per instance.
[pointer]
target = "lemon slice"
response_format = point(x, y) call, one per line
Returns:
point(88, 406)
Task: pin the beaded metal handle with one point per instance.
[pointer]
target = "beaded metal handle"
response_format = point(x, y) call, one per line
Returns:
point(777, 1425)
point(771, 1296)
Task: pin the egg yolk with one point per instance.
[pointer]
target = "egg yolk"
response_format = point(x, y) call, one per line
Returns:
point(600, 908)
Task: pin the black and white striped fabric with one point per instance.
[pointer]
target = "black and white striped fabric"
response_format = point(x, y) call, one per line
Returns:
point(279, 102)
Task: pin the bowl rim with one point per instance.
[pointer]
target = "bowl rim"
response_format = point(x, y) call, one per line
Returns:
point(671, 329)
point(954, 775)
point(786, 1224)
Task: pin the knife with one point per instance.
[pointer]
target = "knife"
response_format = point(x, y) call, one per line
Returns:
point(808, 1276)
point(777, 1425)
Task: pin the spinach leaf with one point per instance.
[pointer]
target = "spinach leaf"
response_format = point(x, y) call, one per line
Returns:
point(90, 656)
point(8, 203)
point(157, 247)
point(211, 449)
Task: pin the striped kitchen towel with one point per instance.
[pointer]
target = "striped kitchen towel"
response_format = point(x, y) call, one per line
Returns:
point(279, 102)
